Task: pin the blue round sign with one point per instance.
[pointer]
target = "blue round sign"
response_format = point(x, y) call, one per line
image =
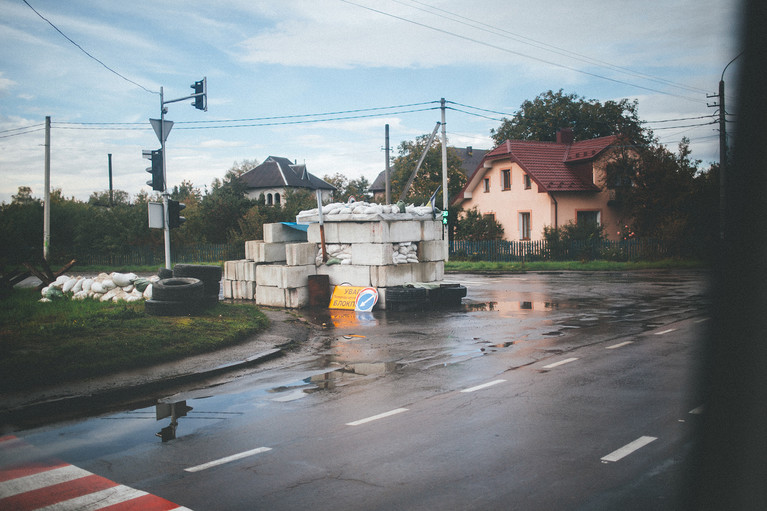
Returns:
point(366, 299)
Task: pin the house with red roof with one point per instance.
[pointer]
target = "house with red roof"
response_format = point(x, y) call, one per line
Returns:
point(528, 185)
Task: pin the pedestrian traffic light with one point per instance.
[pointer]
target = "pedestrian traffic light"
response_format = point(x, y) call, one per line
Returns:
point(444, 217)
point(155, 157)
point(200, 94)
point(174, 210)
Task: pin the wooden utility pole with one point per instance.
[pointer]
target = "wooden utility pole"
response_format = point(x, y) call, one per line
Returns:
point(47, 191)
point(444, 179)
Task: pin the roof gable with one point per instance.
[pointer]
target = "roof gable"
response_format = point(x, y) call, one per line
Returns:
point(279, 172)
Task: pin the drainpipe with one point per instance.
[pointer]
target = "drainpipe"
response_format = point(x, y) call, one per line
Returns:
point(556, 211)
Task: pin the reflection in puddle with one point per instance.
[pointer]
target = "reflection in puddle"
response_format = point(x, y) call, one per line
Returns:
point(174, 411)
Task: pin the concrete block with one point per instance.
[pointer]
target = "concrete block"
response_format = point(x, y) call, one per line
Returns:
point(372, 254)
point(227, 285)
point(353, 274)
point(270, 296)
point(300, 254)
point(391, 275)
point(283, 276)
point(404, 230)
point(430, 271)
point(230, 270)
point(431, 230)
point(250, 249)
point(281, 233)
point(331, 233)
point(431, 250)
point(361, 232)
point(268, 252)
point(297, 297)
point(249, 270)
point(246, 289)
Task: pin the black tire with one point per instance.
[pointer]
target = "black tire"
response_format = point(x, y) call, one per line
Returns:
point(171, 308)
point(177, 289)
point(408, 305)
point(165, 273)
point(209, 301)
point(402, 293)
point(450, 295)
point(209, 275)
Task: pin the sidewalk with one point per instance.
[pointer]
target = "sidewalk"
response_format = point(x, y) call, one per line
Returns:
point(23, 409)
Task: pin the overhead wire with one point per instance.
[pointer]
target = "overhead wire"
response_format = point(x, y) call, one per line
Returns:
point(85, 51)
point(514, 52)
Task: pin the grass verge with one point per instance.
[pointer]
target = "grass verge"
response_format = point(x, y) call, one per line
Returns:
point(487, 266)
point(48, 343)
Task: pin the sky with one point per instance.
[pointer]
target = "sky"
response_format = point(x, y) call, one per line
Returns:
point(316, 81)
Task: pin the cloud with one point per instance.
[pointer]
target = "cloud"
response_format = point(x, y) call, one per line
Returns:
point(6, 84)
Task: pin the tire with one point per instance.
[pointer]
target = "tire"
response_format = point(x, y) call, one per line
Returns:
point(408, 305)
point(451, 295)
point(402, 293)
point(177, 289)
point(171, 308)
point(209, 275)
point(165, 273)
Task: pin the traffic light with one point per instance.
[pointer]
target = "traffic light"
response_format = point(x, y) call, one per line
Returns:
point(156, 169)
point(200, 94)
point(174, 210)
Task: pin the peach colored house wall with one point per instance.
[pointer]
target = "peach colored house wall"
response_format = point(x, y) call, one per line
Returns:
point(507, 204)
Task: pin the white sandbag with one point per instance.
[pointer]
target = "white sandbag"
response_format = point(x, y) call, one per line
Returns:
point(60, 281)
point(98, 288)
point(131, 298)
point(68, 285)
point(108, 284)
point(107, 297)
point(148, 292)
point(123, 279)
point(87, 283)
point(80, 295)
point(78, 285)
point(129, 288)
point(44, 291)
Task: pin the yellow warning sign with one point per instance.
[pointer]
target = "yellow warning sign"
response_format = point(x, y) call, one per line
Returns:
point(345, 297)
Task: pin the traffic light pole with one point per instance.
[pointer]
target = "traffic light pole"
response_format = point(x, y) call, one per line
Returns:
point(166, 216)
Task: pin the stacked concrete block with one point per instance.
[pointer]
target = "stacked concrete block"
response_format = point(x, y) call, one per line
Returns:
point(300, 254)
point(263, 252)
point(281, 233)
point(431, 250)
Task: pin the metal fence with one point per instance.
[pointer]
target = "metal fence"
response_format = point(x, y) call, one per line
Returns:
point(155, 255)
point(517, 251)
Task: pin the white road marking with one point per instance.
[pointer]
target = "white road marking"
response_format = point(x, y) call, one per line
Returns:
point(629, 448)
point(697, 411)
point(702, 320)
point(41, 480)
point(666, 331)
point(376, 417)
point(619, 345)
point(561, 362)
point(483, 386)
point(227, 459)
point(97, 500)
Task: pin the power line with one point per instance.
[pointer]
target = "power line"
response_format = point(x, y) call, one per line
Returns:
point(23, 128)
point(680, 119)
point(513, 52)
point(545, 46)
point(22, 133)
point(84, 51)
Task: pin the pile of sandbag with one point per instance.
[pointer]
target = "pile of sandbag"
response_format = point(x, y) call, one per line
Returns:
point(365, 211)
point(405, 252)
point(105, 287)
point(338, 253)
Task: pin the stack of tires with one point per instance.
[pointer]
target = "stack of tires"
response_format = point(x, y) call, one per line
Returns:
point(407, 299)
point(447, 295)
point(189, 290)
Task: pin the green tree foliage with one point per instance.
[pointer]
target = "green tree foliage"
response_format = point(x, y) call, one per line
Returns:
point(573, 240)
point(540, 119)
point(429, 176)
point(222, 208)
point(472, 225)
point(345, 188)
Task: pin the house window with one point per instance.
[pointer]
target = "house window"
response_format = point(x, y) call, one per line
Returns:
point(588, 218)
point(528, 182)
point(277, 199)
point(486, 185)
point(268, 199)
point(506, 179)
point(524, 225)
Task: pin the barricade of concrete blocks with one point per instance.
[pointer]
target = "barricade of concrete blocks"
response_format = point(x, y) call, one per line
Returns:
point(379, 253)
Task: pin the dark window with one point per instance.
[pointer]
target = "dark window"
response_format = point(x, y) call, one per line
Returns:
point(486, 185)
point(528, 182)
point(588, 218)
point(506, 174)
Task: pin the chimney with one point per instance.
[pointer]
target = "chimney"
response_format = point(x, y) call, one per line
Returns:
point(565, 136)
point(469, 150)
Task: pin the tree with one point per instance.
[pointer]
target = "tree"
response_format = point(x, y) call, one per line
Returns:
point(429, 176)
point(472, 225)
point(345, 188)
point(541, 118)
point(222, 207)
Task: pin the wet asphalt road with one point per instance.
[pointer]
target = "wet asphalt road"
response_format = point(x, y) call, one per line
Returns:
point(544, 391)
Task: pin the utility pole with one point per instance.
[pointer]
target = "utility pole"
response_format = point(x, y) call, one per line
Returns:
point(47, 192)
point(111, 195)
point(445, 235)
point(166, 216)
point(387, 173)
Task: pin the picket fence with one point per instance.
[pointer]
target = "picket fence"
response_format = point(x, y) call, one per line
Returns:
point(519, 251)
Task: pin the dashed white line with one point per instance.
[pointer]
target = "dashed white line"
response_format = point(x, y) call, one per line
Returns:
point(376, 417)
point(561, 362)
point(619, 345)
point(666, 331)
point(227, 459)
point(627, 449)
point(697, 411)
point(483, 386)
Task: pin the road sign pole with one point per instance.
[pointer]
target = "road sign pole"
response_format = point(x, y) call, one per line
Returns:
point(166, 216)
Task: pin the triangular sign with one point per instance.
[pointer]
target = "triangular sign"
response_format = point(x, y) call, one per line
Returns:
point(166, 125)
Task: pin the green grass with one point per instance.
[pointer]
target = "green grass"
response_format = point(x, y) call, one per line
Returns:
point(486, 266)
point(64, 340)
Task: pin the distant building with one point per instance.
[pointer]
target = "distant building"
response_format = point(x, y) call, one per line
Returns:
point(527, 185)
point(470, 160)
point(276, 175)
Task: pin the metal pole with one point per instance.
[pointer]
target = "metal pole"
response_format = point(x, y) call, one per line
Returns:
point(166, 216)
point(722, 156)
point(444, 179)
point(111, 195)
point(388, 170)
point(47, 191)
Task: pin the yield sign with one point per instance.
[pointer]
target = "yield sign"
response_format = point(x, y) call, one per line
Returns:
point(166, 126)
